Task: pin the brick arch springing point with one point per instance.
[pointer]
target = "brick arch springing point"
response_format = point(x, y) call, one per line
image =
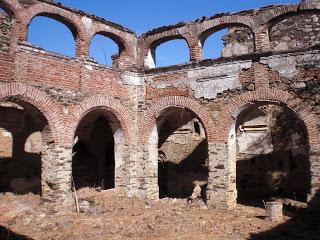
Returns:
point(149, 118)
point(41, 101)
point(12, 6)
point(226, 120)
point(104, 103)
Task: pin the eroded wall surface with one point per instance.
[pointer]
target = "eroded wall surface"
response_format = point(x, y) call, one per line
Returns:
point(271, 56)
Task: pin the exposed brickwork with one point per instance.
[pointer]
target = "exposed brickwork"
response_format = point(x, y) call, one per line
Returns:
point(259, 65)
point(148, 120)
point(101, 102)
point(155, 94)
point(309, 119)
point(40, 100)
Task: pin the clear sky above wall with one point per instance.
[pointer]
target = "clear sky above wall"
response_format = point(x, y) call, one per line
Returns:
point(142, 16)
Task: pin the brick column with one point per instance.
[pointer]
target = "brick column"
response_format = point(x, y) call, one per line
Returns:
point(125, 156)
point(262, 40)
point(82, 47)
point(127, 59)
point(195, 50)
point(261, 76)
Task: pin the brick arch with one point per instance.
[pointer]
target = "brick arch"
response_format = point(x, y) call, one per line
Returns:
point(208, 31)
point(116, 35)
point(122, 39)
point(67, 18)
point(216, 24)
point(153, 42)
point(226, 120)
point(100, 102)
point(149, 118)
point(10, 5)
point(41, 101)
point(269, 16)
point(156, 42)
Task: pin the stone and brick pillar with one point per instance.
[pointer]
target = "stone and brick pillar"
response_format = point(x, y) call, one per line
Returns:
point(314, 195)
point(56, 173)
point(147, 170)
point(221, 190)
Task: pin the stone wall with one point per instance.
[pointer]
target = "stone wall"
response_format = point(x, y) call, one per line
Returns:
point(183, 155)
point(238, 41)
point(297, 31)
point(6, 22)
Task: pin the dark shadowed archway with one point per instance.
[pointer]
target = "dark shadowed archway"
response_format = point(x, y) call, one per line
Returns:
point(96, 150)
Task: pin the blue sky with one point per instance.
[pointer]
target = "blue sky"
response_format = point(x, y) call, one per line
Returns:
point(140, 16)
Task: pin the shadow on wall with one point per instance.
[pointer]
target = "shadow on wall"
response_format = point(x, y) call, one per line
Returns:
point(276, 175)
point(20, 148)
point(304, 225)
point(272, 156)
point(177, 180)
point(183, 155)
point(6, 234)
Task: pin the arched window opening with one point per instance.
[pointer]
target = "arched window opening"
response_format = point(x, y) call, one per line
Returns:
point(52, 36)
point(20, 166)
point(104, 50)
point(6, 22)
point(94, 155)
point(301, 31)
point(182, 155)
point(272, 155)
point(214, 45)
point(171, 53)
point(228, 42)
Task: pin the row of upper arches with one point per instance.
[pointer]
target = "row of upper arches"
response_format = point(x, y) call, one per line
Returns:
point(59, 30)
point(62, 31)
point(53, 36)
point(293, 30)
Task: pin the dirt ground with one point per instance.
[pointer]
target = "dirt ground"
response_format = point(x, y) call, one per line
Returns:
point(111, 215)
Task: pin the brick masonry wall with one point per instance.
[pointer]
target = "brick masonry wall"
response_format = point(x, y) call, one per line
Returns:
point(216, 91)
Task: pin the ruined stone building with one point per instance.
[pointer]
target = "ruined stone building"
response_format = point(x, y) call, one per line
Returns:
point(242, 127)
